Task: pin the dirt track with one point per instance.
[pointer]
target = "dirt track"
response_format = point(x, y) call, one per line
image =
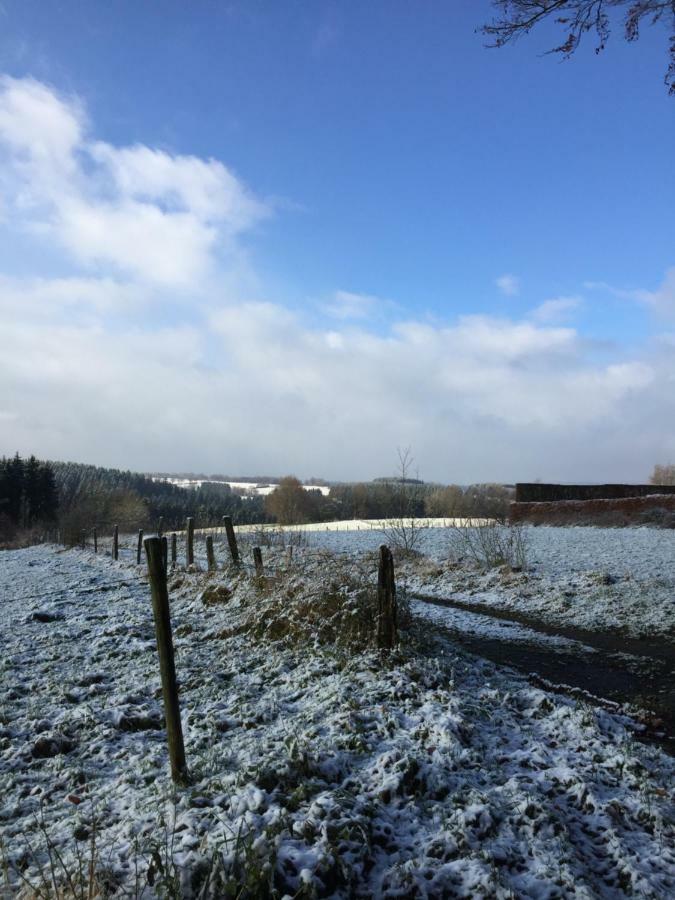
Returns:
point(626, 671)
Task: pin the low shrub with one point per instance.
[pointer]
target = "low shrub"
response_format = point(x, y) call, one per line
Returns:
point(489, 544)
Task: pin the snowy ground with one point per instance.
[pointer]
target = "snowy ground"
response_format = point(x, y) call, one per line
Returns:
point(604, 579)
point(315, 771)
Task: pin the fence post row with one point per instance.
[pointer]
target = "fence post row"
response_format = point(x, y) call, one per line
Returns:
point(386, 601)
point(231, 539)
point(116, 542)
point(190, 542)
point(167, 667)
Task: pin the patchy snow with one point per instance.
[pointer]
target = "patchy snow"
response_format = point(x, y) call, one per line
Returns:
point(249, 487)
point(619, 579)
point(315, 772)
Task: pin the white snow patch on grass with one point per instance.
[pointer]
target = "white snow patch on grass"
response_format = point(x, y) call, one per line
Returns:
point(316, 771)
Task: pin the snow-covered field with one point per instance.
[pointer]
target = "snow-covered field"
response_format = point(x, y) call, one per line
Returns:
point(316, 771)
point(616, 579)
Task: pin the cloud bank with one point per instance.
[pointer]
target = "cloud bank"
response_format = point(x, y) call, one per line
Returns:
point(142, 350)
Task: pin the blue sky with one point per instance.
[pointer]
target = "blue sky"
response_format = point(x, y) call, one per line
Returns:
point(377, 213)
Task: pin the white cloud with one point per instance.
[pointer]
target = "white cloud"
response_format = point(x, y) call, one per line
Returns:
point(257, 388)
point(39, 126)
point(556, 309)
point(348, 305)
point(660, 301)
point(508, 284)
point(62, 298)
point(251, 386)
point(143, 212)
point(138, 239)
point(204, 188)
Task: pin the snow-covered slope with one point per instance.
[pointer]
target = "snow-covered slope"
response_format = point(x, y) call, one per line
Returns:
point(315, 772)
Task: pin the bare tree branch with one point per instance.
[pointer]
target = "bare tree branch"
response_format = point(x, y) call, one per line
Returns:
point(579, 18)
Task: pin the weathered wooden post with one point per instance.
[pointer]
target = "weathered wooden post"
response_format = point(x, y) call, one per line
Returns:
point(210, 554)
point(231, 539)
point(160, 526)
point(174, 549)
point(190, 542)
point(165, 552)
point(167, 667)
point(386, 601)
point(257, 559)
point(95, 541)
point(139, 546)
point(116, 542)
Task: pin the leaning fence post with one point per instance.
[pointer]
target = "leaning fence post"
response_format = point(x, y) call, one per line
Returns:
point(167, 666)
point(95, 541)
point(116, 542)
point(231, 539)
point(210, 555)
point(257, 559)
point(386, 601)
point(139, 546)
point(174, 549)
point(190, 542)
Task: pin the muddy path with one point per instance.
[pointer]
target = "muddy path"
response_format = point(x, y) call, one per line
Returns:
point(607, 669)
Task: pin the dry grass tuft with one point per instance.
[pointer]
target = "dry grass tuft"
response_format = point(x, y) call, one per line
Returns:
point(339, 607)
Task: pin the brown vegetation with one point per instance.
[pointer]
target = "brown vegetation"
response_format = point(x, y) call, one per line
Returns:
point(657, 510)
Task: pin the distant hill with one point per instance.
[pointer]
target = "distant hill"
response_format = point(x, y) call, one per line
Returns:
point(78, 483)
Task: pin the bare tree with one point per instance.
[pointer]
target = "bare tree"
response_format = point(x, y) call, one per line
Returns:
point(581, 17)
point(403, 529)
point(663, 474)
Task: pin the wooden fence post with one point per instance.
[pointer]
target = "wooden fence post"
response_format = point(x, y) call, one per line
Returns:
point(116, 542)
point(84, 539)
point(190, 542)
point(174, 549)
point(231, 539)
point(160, 526)
point(167, 666)
point(139, 546)
point(210, 555)
point(386, 601)
point(257, 559)
point(165, 552)
point(95, 541)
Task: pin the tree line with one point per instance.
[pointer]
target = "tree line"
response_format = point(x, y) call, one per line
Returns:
point(291, 504)
point(28, 495)
point(93, 495)
point(37, 497)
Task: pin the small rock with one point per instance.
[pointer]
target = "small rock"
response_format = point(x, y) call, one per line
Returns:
point(48, 746)
point(139, 721)
point(47, 615)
